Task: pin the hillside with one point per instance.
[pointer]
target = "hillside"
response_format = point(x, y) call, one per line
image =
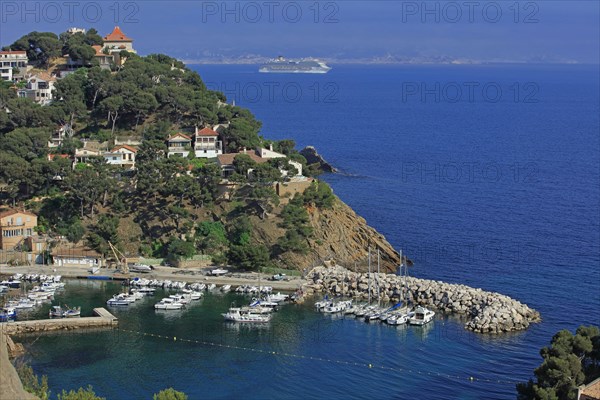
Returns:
point(65, 160)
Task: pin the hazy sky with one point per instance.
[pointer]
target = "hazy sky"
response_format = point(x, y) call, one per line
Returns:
point(484, 30)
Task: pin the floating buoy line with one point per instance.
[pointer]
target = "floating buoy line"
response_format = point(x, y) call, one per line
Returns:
point(368, 365)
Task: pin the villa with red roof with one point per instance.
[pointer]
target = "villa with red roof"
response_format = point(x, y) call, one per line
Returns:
point(116, 41)
point(123, 156)
point(179, 144)
point(207, 143)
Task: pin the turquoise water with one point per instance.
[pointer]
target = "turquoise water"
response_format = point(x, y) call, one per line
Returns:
point(315, 354)
point(533, 235)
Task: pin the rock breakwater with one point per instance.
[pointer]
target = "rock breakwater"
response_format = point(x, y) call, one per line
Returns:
point(488, 312)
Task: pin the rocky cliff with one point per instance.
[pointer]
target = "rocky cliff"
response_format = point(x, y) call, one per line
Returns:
point(340, 235)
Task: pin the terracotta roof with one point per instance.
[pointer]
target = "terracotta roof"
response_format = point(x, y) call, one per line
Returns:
point(99, 52)
point(23, 52)
point(206, 132)
point(117, 35)
point(53, 156)
point(171, 137)
point(75, 252)
point(12, 212)
point(227, 159)
point(591, 390)
point(124, 146)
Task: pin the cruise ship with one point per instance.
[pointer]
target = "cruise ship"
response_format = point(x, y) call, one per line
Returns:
point(303, 66)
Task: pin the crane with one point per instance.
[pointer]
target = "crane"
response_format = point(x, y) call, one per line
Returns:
point(120, 258)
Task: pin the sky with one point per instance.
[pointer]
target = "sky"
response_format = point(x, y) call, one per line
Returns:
point(506, 31)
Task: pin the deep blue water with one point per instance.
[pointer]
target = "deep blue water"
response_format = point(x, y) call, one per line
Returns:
point(498, 190)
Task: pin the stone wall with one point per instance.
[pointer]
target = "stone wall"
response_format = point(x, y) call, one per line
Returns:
point(489, 312)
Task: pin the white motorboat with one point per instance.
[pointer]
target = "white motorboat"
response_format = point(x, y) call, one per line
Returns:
point(121, 299)
point(421, 316)
point(146, 291)
point(225, 288)
point(240, 315)
point(168, 303)
point(218, 272)
point(211, 287)
point(278, 297)
point(143, 268)
point(397, 319)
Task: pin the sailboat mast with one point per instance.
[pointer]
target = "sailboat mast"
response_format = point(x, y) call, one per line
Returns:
point(378, 291)
point(369, 276)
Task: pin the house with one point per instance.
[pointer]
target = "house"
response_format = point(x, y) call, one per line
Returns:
point(117, 41)
point(225, 161)
point(59, 135)
point(105, 59)
point(123, 156)
point(15, 227)
point(39, 88)
point(84, 155)
point(13, 65)
point(260, 155)
point(269, 153)
point(591, 391)
point(90, 149)
point(65, 256)
point(207, 143)
point(179, 145)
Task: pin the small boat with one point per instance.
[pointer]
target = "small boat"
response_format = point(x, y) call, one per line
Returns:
point(121, 299)
point(421, 316)
point(143, 268)
point(168, 303)
point(397, 319)
point(94, 270)
point(72, 312)
point(225, 288)
point(8, 314)
point(240, 315)
point(211, 287)
point(278, 297)
point(218, 272)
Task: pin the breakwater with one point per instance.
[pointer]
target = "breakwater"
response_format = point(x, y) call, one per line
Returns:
point(103, 319)
point(489, 312)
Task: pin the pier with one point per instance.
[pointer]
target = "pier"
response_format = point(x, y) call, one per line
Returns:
point(103, 319)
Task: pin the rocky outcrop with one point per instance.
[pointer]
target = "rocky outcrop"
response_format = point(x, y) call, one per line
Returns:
point(313, 157)
point(10, 384)
point(488, 312)
point(339, 235)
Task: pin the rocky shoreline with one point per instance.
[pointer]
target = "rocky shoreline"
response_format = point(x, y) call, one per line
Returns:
point(489, 312)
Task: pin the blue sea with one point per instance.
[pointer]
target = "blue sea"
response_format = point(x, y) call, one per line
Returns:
point(486, 175)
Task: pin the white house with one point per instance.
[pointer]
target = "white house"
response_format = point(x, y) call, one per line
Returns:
point(39, 88)
point(123, 156)
point(179, 145)
point(269, 153)
point(259, 156)
point(207, 143)
point(13, 65)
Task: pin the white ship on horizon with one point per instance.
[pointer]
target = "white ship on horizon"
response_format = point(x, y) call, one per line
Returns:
point(302, 66)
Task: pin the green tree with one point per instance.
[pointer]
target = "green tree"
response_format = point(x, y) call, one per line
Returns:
point(569, 361)
point(112, 107)
point(41, 47)
point(319, 194)
point(211, 237)
point(105, 230)
point(169, 394)
point(80, 394)
point(32, 384)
